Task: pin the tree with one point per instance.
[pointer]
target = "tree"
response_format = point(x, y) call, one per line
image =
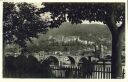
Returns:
point(32, 65)
point(9, 66)
point(20, 23)
point(12, 48)
point(108, 13)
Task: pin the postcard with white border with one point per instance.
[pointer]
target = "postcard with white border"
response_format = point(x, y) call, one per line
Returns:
point(76, 40)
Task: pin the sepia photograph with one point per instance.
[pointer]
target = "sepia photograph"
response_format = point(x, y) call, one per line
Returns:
point(64, 40)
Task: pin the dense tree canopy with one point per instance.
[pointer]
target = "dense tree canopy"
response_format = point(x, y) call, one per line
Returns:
point(78, 12)
point(20, 23)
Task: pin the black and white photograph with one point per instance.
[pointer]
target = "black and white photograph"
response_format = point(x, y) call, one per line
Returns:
point(64, 40)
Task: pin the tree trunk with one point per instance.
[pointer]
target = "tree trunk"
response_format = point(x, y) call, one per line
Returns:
point(116, 67)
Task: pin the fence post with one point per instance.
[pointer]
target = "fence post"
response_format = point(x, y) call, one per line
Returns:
point(104, 69)
point(123, 74)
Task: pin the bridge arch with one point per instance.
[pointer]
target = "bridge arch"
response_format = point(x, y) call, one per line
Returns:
point(53, 60)
point(72, 60)
point(82, 60)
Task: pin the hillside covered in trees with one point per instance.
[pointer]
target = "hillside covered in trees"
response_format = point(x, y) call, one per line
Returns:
point(78, 36)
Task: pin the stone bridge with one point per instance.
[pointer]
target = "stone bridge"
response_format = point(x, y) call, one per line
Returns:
point(61, 59)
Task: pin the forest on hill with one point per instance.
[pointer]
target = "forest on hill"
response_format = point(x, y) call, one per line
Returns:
point(95, 33)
